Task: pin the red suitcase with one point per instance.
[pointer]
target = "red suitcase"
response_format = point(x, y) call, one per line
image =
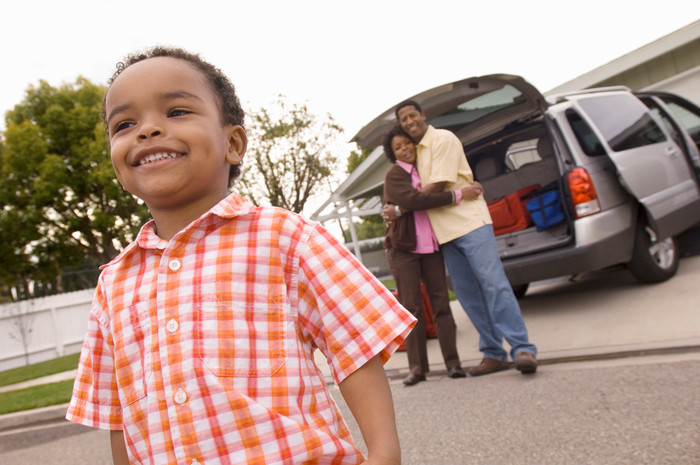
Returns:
point(429, 318)
point(509, 213)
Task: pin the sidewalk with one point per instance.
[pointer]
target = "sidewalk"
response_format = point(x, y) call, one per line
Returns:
point(603, 316)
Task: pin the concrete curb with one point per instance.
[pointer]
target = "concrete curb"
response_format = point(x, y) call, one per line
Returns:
point(31, 418)
point(400, 373)
point(56, 413)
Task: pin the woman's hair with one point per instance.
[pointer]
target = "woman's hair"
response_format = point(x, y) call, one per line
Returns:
point(395, 130)
point(229, 105)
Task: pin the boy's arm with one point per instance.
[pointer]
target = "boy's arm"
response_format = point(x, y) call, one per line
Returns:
point(119, 455)
point(368, 395)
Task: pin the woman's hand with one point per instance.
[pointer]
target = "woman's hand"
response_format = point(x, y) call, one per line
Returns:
point(389, 212)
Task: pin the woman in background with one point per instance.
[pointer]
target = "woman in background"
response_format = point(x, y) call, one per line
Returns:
point(414, 255)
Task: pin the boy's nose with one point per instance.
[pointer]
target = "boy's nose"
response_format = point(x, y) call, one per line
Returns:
point(149, 132)
point(150, 125)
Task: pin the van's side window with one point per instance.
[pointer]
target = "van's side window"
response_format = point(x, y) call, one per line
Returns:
point(629, 126)
point(669, 125)
point(688, 118)
point(589, 142)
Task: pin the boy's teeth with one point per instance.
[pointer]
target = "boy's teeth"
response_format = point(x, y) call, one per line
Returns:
point(157, 157)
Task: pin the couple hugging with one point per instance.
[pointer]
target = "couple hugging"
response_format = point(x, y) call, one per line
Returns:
point(435, 209)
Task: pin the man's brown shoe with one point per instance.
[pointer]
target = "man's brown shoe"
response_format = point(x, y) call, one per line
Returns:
point(525, 363)
point(487, 366)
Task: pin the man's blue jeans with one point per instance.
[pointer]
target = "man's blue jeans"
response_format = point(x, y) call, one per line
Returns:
point(485, 294)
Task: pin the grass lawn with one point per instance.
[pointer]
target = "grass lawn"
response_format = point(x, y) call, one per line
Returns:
point(37, 370)
point(36, 396)
point(60, 392)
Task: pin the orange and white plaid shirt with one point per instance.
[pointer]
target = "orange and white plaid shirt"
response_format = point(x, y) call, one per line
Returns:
point(200, 348)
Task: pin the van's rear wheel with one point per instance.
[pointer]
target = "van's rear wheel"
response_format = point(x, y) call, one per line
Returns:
point(520, 290)
point(653, 261)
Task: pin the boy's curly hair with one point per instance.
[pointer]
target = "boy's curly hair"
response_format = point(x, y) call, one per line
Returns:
point(229, 105)
point(394, 131)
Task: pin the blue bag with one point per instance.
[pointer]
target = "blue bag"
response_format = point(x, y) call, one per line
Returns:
point(545, 209)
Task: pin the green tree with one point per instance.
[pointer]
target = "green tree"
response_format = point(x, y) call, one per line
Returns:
point(62, 207)
point(370, 227)
point(292, 155)
point(355, 158)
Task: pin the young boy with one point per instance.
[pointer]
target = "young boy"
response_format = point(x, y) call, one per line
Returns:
point(199, 348)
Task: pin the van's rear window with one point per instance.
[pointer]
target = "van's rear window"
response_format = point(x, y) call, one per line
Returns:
point(477, 108)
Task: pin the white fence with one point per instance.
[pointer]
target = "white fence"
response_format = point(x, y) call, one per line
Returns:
point(41, 329)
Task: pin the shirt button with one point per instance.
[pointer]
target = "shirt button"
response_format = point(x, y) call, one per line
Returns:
point(174, 264)
point(180, 397)
point(172, 326)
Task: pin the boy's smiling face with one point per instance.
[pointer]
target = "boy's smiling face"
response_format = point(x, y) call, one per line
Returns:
point(168, 144)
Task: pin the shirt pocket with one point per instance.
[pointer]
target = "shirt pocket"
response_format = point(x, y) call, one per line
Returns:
point(246, 341)
point(132, 357)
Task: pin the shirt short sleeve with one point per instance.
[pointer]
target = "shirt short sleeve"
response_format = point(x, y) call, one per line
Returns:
point(95, 400)
point(351, 316)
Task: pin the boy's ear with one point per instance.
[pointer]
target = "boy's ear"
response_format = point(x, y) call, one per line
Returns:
point(236, 144)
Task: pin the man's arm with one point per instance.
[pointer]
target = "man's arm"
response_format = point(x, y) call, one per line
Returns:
point(119, 455)
point(368, 395)
point(470, 192)
point(434, 187)
point(399, 190)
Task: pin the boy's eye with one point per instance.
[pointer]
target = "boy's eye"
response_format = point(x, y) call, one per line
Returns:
point(178, 112)
point(122, 125)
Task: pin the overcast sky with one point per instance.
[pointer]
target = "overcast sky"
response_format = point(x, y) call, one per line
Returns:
point(350, 59)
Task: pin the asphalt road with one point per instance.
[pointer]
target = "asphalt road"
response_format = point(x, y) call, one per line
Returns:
point(631, 411)
point(642, 409)
point(637, 410)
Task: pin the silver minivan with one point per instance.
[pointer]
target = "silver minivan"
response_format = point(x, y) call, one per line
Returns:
point(622, 168)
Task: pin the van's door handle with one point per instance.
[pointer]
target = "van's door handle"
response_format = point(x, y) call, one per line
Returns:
point(672, 151)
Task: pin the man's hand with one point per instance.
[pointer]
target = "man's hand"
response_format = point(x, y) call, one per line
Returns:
point(472, 191)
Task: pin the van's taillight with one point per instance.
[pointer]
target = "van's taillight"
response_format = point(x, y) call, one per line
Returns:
point(583, 193)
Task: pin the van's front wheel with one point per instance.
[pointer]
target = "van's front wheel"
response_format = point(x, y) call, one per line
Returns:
point(653, 261)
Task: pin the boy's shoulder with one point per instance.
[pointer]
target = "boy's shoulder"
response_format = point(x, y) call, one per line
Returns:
point(260, 220)
point(128, 250)
point(274, 217)
point(236, 207)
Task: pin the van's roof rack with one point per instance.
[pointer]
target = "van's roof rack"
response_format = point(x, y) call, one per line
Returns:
point(561, 97)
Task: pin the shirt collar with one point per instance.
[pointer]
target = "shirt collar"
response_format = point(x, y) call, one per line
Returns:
point(428, 134)
point(229, 207)
point(408, 167)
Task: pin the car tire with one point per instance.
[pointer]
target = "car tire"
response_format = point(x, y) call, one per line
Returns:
point(520, 289)
point(653, 261)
